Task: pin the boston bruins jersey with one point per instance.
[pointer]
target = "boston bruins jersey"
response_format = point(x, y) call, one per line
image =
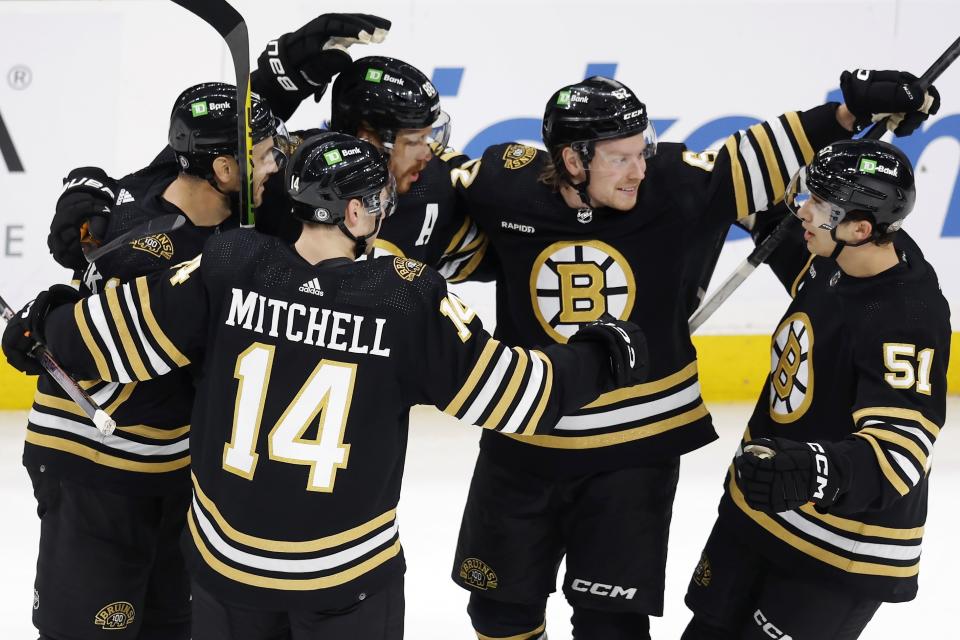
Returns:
point(860, 363)
point(300, 424)
point(149, 451)
point(559, 269)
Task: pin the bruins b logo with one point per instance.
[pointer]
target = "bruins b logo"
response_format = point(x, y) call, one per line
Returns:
point(791, 377)
point(576, 282)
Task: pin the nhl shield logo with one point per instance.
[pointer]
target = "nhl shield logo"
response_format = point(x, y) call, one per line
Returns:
point(115, 616)
point(791, 378)
point(159, 245)
point(475, 573)
point(517, 156)
point(572, 283)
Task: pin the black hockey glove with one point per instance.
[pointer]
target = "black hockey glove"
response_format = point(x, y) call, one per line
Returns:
point(776, 475)
point(626, 344)
point(874, 95)
point(304, 62)
point(81, 215)
point(25, 329)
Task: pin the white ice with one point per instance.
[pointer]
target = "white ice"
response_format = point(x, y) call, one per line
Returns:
point(438, 470)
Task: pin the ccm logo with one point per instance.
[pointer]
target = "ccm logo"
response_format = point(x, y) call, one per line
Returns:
point(768, 627)
point(632, 114)
point(820, 459)
point(605, 590)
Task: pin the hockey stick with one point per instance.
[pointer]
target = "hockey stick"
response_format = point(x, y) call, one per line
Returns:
point(790, 222)
point(220, 15)
point(160, 224)
point(100, 418)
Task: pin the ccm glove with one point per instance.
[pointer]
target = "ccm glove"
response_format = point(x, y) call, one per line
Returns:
point(626, 344)
point(776, 475)
point(24, 330)
point(81, 215)
point(874, 95)
point(304, 62)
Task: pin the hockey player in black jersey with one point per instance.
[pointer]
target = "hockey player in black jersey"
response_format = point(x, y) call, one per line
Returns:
point(112, 507)
point(605, 221)
point(310, 363)
point(823, 511)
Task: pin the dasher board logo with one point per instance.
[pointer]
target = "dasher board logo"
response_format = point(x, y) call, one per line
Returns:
point(158, 245)
point(475, 573)
point(791, 377)
point(115, 616)
point(516, 156)
point(575, 282)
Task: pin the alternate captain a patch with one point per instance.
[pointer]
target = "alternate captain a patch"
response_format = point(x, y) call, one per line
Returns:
point(791, 377)
point(408, 268)
point(517, 156)
point(159, 245)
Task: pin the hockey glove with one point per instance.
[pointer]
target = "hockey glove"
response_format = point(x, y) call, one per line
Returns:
point(626, 344)
point(874, 95)
point(81, 215)
point(776, 475)
point(25, 329)
point(304, 62)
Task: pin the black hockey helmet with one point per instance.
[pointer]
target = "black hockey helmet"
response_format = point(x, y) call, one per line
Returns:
point(203, 126)
point(867, 176)
point(330, 169)
point(595, 109)
point(387, 95)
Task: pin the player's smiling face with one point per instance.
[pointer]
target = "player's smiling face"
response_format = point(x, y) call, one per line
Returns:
point(616, 171)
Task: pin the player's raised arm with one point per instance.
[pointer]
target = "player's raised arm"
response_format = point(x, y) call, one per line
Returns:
point(483, 381)
point(136, 331)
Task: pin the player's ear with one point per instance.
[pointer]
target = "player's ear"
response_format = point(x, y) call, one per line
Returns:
point(225, 170)
point(572, 162)
point(862, 230)
point(353, 213)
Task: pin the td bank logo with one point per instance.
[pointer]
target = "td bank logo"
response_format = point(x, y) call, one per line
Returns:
point(868, 165)
point(9, 152)
point(373, 75)
point(333, 157)
point(199, 109)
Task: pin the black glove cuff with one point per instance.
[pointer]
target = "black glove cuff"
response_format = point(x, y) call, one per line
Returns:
point(92, 180)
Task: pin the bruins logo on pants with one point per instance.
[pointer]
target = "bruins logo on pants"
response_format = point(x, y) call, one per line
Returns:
point(791, 377)
point(573, 283)
point(475, 573)
point(116, 615)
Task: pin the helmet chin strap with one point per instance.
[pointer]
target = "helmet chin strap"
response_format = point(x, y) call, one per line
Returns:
point(360, 242)
point(584, 213)
point(842, 244)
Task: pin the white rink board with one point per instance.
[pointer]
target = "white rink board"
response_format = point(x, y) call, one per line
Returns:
point(103, 76)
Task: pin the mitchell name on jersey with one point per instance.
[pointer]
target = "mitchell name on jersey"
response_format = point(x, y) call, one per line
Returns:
point(300, 419)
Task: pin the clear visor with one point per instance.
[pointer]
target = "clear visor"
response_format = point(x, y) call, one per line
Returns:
point(283, 148)
point(384, 202)
point(439, 135)
point(823, 214)
point(621, 156)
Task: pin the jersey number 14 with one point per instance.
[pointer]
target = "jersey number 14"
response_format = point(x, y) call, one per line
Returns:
point(328, 392)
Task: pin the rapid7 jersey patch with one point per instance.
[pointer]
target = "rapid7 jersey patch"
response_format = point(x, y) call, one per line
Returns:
point(573, 283)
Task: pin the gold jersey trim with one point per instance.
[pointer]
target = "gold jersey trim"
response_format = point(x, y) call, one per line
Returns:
point(646, 388)
point(796, 127)
point(828, 557)
point(803, 272)
point(168, 347)
point(770, 159)
point(286, 584)
point(105, 459)
point(529, 635)
point(861, 528)
point(283, 546)
point(89, 341)
point(616, 437)
point(471, 382)
point(898, 412)
point(736, 173)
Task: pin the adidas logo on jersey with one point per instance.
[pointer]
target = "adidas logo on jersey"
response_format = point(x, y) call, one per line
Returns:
point(124, 197)
point(312, 286)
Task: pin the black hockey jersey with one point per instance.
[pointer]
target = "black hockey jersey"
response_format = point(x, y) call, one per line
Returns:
point(300, 424)
point(861, 363)
point(558, 271)
point(149, 451)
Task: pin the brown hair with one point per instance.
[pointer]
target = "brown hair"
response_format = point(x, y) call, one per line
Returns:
point(550, 175)
point(878, 238)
